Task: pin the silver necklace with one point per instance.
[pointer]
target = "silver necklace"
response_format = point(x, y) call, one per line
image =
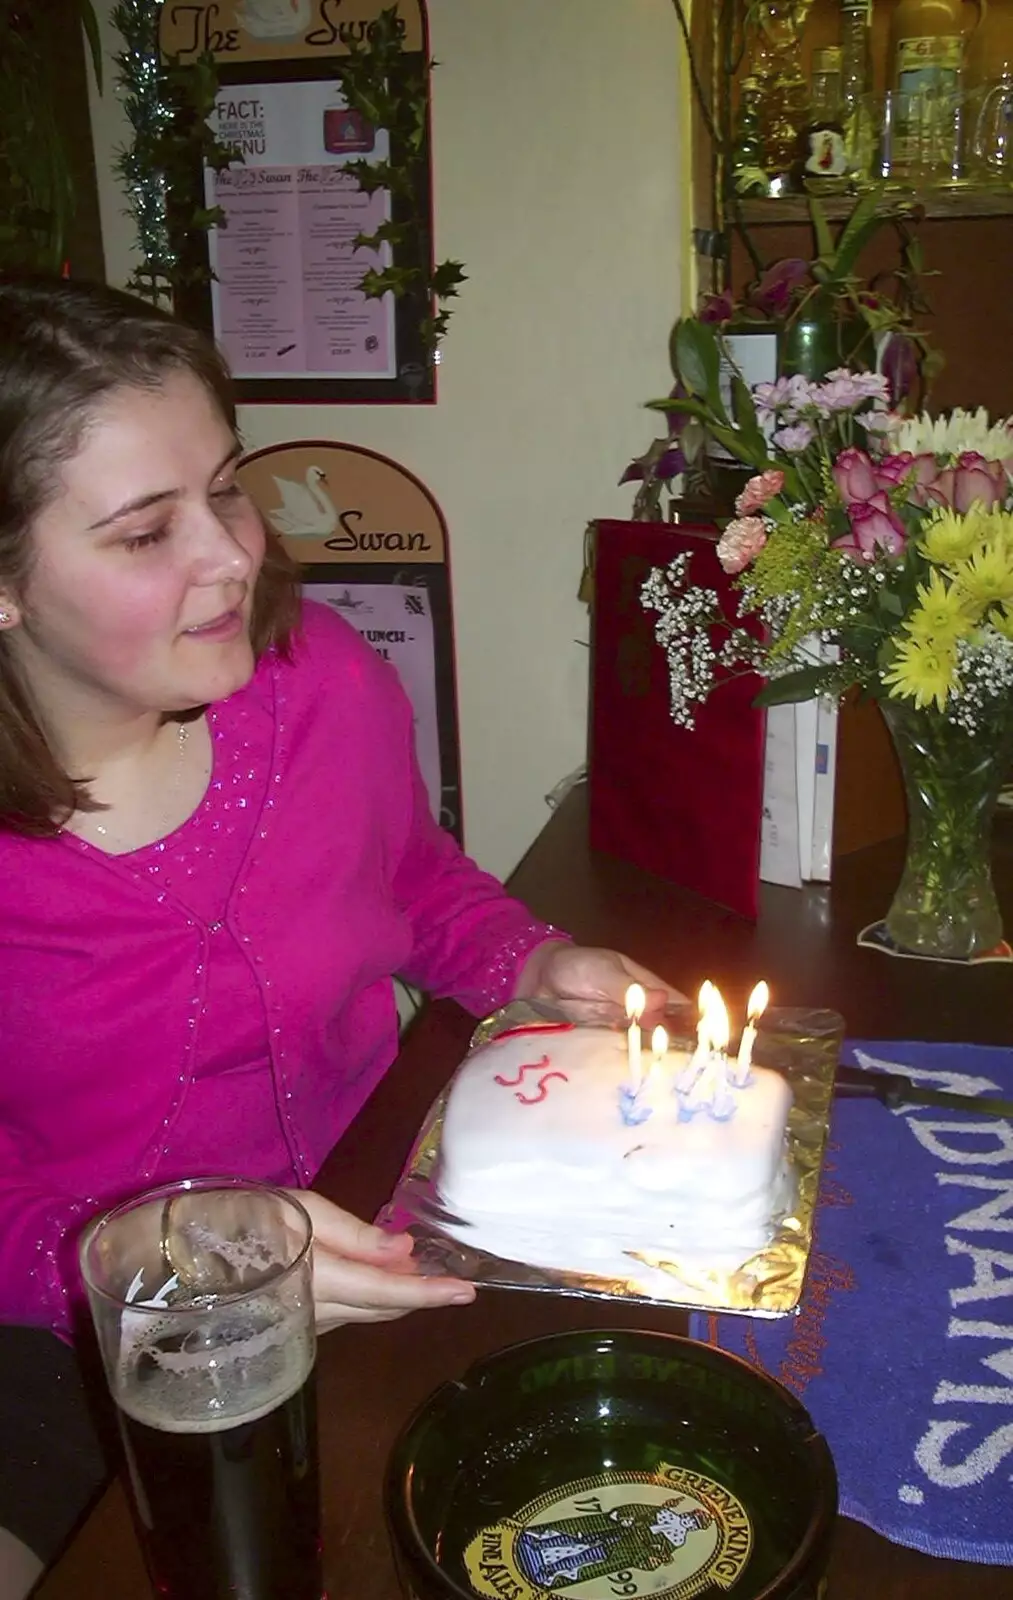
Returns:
point(171, 792)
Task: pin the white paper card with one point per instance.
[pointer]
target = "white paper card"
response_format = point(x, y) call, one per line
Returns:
point(779, 834)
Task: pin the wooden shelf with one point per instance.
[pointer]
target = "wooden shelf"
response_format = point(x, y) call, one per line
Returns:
point(938, 204)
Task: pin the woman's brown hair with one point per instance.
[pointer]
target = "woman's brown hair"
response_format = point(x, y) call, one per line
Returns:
point(63, 347)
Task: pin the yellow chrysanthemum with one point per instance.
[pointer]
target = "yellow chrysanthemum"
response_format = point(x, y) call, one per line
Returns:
point(1002, 620)
point(941, 612)
point(986, 578)
point(922, 671)
point(999, 530)
point(950, 537)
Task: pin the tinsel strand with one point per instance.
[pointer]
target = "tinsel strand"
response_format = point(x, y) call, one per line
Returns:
point(141, 80)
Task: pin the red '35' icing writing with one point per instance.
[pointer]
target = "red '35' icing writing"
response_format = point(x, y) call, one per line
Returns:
point(531, 1066)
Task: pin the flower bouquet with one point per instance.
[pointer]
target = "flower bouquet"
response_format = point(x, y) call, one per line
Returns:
point(877, 553)
point(825, 315)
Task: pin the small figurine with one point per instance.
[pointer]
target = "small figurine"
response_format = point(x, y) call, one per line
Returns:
point(821, 163)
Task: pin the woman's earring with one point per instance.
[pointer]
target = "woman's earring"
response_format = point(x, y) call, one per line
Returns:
point(5, 617)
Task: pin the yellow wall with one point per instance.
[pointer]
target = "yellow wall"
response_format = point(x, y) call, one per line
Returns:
point(556, 152)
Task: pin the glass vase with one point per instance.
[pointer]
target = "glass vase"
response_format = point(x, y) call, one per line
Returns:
point(815, 340)
point(946, 905)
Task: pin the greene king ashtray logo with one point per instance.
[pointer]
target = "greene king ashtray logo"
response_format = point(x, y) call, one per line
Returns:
point(669, 1534)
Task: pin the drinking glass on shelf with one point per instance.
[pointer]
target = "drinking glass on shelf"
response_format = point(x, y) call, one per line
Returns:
point(897, 119)
point(921, 137)
point(990, 155)
point(202, 1300)
point(942, 133)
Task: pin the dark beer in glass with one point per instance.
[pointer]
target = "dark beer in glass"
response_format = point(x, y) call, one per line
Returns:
point(202, 1299)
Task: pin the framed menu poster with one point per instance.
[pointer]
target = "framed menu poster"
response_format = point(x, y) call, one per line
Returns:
point(282, 297)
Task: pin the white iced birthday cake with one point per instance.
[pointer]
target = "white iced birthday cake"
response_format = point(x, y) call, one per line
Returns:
point(548, 1157)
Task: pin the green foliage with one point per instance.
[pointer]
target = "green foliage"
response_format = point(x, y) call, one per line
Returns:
point(792, 687)
point(697, 352)
point(744, 413)
point(391, 91)
point(37, 199)
point(697, 361)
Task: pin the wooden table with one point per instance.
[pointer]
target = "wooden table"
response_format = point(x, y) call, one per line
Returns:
point(372, 1377)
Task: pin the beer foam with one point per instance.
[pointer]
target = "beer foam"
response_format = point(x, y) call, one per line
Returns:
point(246, 1254)
point(240, 1376)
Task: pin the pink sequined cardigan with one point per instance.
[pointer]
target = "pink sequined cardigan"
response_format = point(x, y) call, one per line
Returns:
point(115, 1069)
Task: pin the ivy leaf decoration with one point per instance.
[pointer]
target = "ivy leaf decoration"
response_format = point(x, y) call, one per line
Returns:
point(373, 175)
point(392, 233)
point(391, 92)
point(446, 278)
point(397, 281)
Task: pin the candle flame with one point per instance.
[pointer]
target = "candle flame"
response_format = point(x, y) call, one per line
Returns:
point(703, 998)
point(659, 1043)
point(717, 1021)
point(757, 1003)
point(636, 1001)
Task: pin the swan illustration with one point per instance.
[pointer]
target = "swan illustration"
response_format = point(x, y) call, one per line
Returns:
point(306, 510)
point(275, 19)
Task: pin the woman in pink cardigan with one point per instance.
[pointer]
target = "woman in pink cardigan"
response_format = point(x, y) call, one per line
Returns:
point(215, 852)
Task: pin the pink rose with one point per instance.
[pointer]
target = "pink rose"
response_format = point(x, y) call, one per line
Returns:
point(759, 490)
point(891, 471)
point(924, 471)
point(972, 479)
point(874, 525)
point(853, 475)
point(741, 543)
point(916, 473)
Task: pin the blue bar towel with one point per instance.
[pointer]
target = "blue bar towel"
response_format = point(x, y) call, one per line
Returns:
point(902, 1350)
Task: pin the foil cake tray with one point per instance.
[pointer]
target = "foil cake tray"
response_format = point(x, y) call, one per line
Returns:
point(802, 1045)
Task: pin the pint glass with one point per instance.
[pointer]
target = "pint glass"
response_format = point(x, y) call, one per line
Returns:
point(201, 1297)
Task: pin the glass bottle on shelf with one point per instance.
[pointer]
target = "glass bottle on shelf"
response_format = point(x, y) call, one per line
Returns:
point(825, 81)
point(988, 73)
point(927, 43)
point(856, 50)
point(782, 90)
point(926, 56)
point(856, 83)
point(988, 50)
point(746, 168)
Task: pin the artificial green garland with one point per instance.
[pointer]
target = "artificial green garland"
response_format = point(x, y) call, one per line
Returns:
point(167, 106)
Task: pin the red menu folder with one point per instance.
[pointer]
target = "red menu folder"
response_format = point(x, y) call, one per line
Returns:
point(684, 804)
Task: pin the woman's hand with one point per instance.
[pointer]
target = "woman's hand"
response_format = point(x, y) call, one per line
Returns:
point(362, 1274)
point(557, 970)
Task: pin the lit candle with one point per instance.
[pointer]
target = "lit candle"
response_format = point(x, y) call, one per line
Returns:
point(704, 1085)
point(636, 1001)
point(701, 1055)
point(656, 1076)
point(718, 1027)
point(755, 1008)
point(703, 1002)
point(659, 1047)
